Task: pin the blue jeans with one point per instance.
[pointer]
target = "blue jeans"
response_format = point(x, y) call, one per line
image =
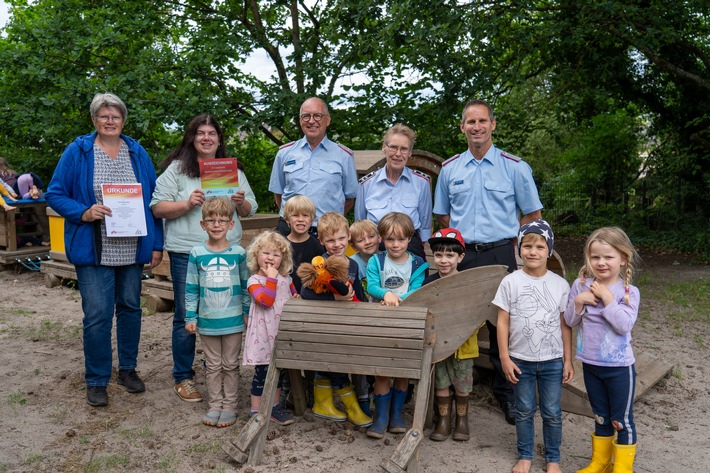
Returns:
point(547, 377)
point(106, 290)
point(611, 395)
point(183, 341)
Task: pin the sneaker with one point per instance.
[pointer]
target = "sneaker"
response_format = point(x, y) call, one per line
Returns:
point(281, 416)
point(131, 380)
point(96, 396)
point(187, 391)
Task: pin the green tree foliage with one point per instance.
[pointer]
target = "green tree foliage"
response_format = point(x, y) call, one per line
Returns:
point(581, 89)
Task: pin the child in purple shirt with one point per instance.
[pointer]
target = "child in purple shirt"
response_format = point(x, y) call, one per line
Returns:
point(604, 304)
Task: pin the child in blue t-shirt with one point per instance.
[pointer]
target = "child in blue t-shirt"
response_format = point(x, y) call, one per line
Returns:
point(391, 277)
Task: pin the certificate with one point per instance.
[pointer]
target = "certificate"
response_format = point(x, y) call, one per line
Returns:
point(128, 212)
point(219, 177)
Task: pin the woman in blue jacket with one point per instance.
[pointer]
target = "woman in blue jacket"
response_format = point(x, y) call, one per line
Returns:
point(109, 269)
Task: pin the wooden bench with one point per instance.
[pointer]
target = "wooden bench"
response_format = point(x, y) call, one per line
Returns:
point(371, 339)
point(34, 214)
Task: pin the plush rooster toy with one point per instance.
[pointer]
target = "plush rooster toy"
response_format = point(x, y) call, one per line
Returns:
point(325, 276)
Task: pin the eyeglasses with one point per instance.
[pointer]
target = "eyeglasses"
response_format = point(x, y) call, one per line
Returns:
point(306, 117)
point(398, 149)
point(201, 134)
point(107, 118)
point(220, 221)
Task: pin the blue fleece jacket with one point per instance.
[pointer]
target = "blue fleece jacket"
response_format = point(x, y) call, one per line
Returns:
point(374, 275)
point(71, 193)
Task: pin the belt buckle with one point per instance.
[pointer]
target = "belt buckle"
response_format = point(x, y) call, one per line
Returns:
point(479, 247)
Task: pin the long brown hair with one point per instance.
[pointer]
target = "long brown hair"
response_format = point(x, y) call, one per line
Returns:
point(5, 170)
point(185, 151)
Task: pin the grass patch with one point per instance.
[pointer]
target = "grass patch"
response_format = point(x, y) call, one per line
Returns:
point(166, 463)
point(34, 459)
point(677, 374)
point(107, 462)
point(140, 433)
point(48, 330)
point(212, 447)
point(58, 414)
point(699, 341)
point(18, 398)
point(682, 302)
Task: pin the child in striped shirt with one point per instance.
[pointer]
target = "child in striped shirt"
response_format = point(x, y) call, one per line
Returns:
point(216, 298)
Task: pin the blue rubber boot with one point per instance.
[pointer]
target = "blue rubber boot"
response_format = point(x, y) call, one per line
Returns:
point(365, 406)
point(382, 416)
point(396, 425)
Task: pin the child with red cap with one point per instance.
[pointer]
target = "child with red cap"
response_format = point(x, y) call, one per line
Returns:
point(448, 247)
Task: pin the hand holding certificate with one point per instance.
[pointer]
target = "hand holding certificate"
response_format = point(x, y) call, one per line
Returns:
point(127, 217)
point(219, 177)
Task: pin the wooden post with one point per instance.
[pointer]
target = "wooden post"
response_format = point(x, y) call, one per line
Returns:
point(265, 407)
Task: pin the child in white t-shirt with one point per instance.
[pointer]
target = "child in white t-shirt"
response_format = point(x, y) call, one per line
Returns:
point(535, 344)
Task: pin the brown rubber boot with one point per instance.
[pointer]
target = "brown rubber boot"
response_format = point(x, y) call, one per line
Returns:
point(443, 425)
point(461, 428)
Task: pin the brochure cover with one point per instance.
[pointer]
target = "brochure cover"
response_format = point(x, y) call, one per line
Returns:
point(219, 177)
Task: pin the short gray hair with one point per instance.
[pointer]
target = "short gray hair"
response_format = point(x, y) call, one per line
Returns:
point(400, 129)
point(108, 100)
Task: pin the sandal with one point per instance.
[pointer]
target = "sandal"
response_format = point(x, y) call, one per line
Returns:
point(212, 417)
point(227, 418)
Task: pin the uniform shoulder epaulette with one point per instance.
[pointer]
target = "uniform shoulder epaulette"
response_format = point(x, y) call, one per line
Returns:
point(451, 159)
point(346, 149)
point(423, 175)
point(367, 177)
point(512, 157)
point(286, 145)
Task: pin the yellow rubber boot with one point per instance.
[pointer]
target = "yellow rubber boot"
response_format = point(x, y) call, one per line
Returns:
point(601, 455)
point(624, 456)
point(323, 406)
point(352, 407)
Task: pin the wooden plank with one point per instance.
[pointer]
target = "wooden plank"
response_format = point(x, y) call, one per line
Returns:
point(162, 289)
point(10, 230)
point(239, 448)
point(574, 403)
point(387, 342)
point(350, 368)
point(361, 321)
point(265, 407)
point(351, 349)
point(162, 271)
point(459, 304)
point(340, 329)
point(299, 308)
point(339, 358)
point(298, 392)
point(649, 370)
point(32, 252)
point(63, 270)
point(260, 221)
point(405, 452)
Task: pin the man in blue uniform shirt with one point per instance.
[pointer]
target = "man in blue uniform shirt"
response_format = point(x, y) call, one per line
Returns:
point(482, 193)
point(315, 167)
